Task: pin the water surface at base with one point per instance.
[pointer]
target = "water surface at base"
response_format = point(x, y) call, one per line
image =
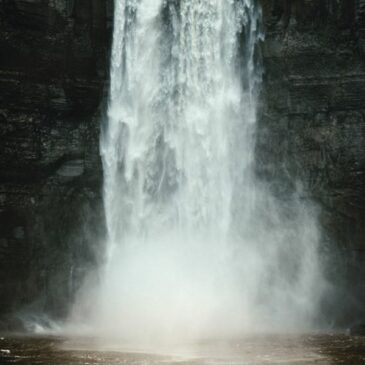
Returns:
point(294, 350)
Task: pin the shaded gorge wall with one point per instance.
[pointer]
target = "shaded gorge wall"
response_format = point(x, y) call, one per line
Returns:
point(54, 64)
point(313, 129)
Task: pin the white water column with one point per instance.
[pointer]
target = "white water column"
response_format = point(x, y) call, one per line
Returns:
point(196, 246)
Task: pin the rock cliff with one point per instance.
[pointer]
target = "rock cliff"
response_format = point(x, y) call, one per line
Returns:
point(312, 127)
point(53, 68)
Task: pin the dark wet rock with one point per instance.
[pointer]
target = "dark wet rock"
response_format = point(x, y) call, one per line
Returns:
point(312, 126)
point(358, 330)
point(71, 168)
point(9, 323)
point(54, 59)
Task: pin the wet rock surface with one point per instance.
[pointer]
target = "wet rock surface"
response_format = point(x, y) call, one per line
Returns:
point(358, 329)
point(54, 60)
point(312, 128)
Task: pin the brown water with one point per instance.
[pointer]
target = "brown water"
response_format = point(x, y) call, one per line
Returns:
point(259, 350)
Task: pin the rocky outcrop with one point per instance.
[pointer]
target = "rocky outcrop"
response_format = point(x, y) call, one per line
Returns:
point(53, 69)
point(312, 127)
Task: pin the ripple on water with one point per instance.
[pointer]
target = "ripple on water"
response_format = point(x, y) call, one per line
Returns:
point(293, 350)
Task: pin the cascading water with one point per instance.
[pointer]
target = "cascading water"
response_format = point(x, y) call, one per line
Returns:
point(197, 247)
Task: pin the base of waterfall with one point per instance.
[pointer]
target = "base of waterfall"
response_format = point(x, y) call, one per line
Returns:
point(256, 350)
point(172, 292)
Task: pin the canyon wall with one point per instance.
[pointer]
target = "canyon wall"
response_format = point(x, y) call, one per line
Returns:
point(53, 69)
point(312, 127)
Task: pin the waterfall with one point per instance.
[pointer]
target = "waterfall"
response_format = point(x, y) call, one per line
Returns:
point(196, 246)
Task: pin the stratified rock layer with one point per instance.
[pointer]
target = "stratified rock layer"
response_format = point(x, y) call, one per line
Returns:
point(313, 126)
point(53, 68)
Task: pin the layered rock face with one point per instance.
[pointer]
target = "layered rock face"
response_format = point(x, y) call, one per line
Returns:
point(312, 127)
point(53, 68)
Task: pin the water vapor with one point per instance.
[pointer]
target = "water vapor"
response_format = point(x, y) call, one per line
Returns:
point(197, 246)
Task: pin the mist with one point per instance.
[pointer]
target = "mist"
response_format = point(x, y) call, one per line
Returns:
point(197, 246)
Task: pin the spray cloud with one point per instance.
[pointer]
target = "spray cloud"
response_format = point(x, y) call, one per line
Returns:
point(197, 247)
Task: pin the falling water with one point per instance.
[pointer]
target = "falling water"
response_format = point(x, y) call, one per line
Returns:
point(196, 247)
